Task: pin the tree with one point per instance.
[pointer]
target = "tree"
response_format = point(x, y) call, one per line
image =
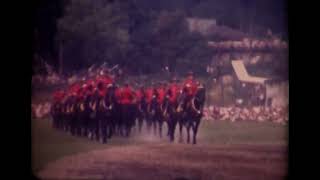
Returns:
point(45, 16)
point(175, 46)
point(93, 32)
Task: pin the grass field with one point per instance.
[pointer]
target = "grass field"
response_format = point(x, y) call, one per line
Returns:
point(50, 145)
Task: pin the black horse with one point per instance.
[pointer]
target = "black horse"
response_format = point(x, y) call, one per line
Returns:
point(106, 115)
point(79, 111)
point(170, 115)
point(127, 118)
point(55, 114)
point(155, 115)
point(71, 117)
point(141, 112)
point(94, 117)
point(191, 112)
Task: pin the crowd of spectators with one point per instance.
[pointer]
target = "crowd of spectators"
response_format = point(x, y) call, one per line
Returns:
point(254, 113)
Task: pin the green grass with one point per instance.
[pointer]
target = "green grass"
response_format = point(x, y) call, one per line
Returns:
point(49, 144)
point(246, 132)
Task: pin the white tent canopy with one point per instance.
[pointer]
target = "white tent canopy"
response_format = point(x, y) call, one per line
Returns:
point(243, 75)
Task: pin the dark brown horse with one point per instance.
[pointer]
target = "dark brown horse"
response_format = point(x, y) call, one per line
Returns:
point(170, 116)
point(141, 112)
point(191, 113)
point(155, 115)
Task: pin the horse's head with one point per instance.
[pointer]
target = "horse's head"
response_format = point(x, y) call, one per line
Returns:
point(200, 95)
point(198, 101)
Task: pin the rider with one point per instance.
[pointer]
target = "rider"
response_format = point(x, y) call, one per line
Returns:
point(127, 95)
point(190, 87)
point(190, 84)
point(140, 94)
point(161, 93)
point(106, 77)
point(118, 91)
point(173, 91)
point(149, 93)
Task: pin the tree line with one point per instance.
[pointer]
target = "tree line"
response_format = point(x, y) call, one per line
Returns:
point(143, 35)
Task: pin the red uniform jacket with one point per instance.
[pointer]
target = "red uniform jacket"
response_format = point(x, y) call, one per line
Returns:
point(191, 87)
point(91, 82)
point(75, 87)
point(149, 94)
point(107, 79)
point(174, 92)
point(126, 95)
point(80, 94)
point(102, 92)
point(58, 96)
point(139, 95)
point(161, 93)
point(87, 91)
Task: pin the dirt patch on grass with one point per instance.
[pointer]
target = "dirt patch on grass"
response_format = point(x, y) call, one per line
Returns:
point(173, 161)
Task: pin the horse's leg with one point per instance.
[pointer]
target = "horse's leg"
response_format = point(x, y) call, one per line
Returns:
point(188, 132)
point(140, 123)
point(96, 129)
point(103, 127)
point(173, 128)
point(160, 127)
point(170, 129)
point(78, 125)
point(169, 126)
point(130, 125)
point(90, 128)
point(71, 125)
point(180, 130)
point(85, 126)
point(116, 125)
point(149, 124)
point(154, 123)
point(110, 127)
point(121, 126)
point(195, 131)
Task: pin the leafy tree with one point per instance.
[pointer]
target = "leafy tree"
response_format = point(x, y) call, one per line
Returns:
point(93, 31)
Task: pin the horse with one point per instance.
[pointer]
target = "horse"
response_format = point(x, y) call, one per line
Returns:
point(106, 115)
point(113, 112)
point(141, 112)
point(80, 115)
point(192, 114)
point(127, 118)
point(93, 119)
point(55, 114)
point(154, 115)
point(70, 115)
point(170, 115)
point(86, 120)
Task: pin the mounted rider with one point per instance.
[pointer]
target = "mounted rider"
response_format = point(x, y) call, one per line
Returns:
point(161, 93)
point(127, 95)
point(173, 91)
point(149, 93)
point(189, 88)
